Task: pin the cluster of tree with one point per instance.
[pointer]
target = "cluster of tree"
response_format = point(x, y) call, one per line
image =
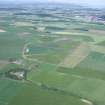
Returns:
point(17, 74)
point(24, 13)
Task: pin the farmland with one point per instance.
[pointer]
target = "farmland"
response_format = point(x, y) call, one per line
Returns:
point(51, 56)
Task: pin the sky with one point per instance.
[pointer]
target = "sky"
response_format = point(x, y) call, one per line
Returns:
point(94, 3)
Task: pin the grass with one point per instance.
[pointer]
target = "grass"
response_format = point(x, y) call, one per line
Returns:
point(51, 52)
point(83, 72)
point(8, 89)
point(10, 46)
point(102, 43)
point(95, 61)
point(77, 36)
point(78, 85)
point(34, 95)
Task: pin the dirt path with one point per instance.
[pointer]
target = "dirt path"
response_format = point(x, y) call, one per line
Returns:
point(87, 102)
point(1, 30)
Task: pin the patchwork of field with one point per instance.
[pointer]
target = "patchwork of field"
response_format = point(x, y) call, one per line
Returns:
point(77, 85)
point(64, 59)
point(34, 95)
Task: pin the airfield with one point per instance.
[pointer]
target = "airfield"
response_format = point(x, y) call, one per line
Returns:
point(64, 60)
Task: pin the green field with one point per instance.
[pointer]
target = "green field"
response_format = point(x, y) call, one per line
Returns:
point(32, 94)
point(8, 89)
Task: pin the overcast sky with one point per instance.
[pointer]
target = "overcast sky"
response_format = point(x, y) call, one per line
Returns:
point(99, 3)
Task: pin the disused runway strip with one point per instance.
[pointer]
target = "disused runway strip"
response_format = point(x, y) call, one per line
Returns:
point(79, 54)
